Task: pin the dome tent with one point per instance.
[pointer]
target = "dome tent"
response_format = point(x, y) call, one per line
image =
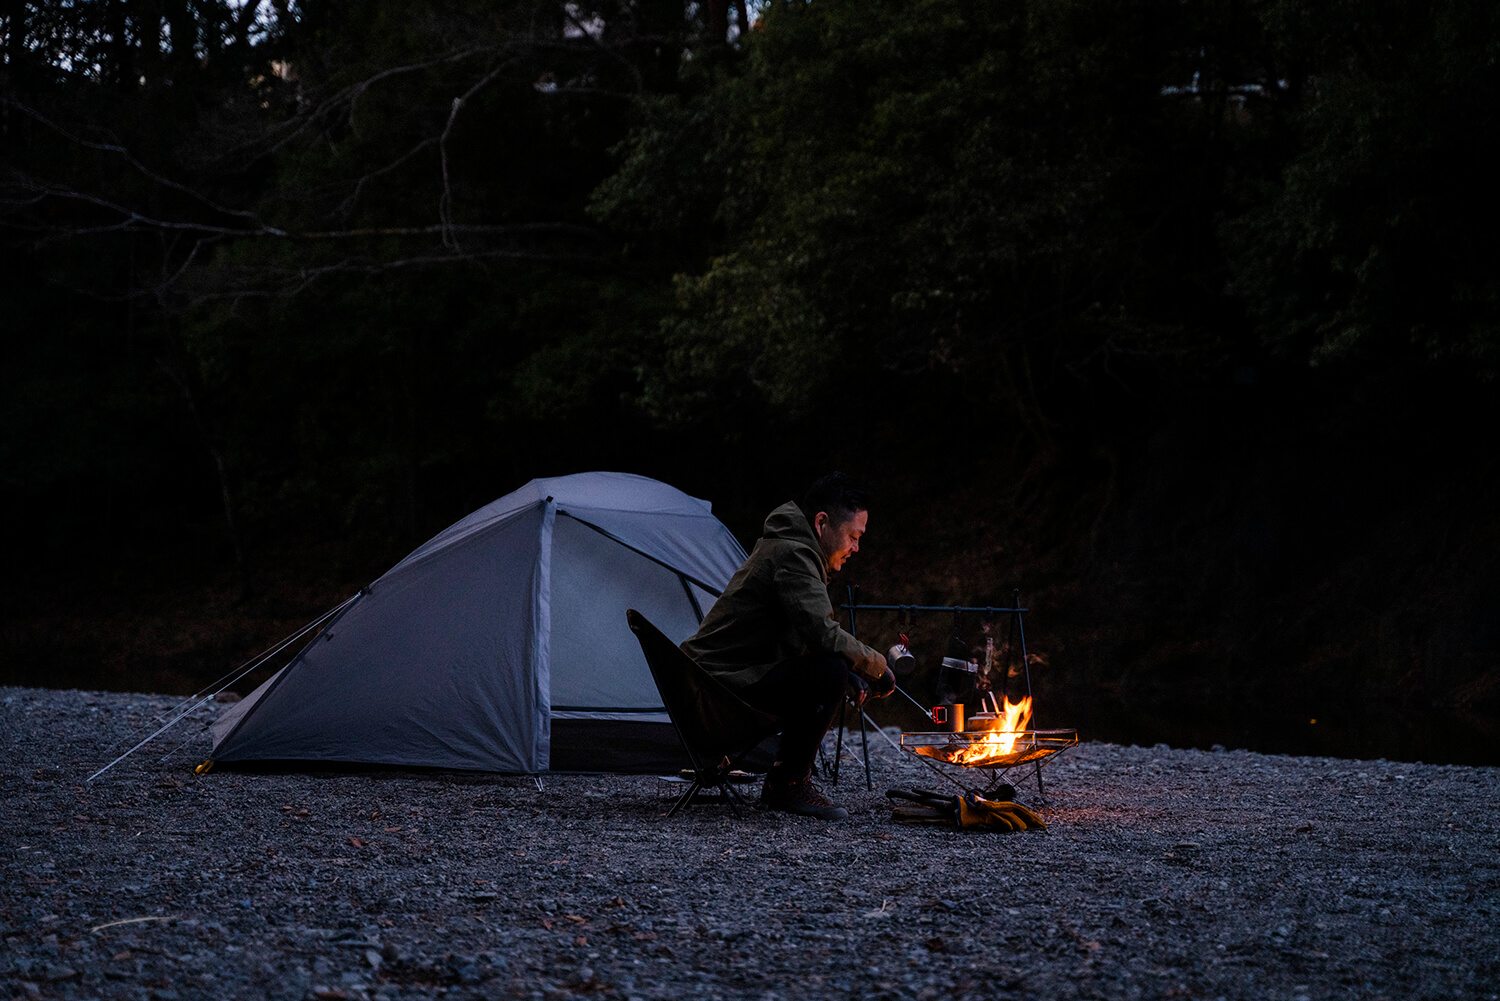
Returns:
point(501, 643)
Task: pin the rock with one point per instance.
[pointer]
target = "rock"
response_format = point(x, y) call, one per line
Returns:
point(452, 901)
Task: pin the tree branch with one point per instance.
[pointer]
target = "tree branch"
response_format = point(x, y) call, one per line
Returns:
point(635, 71)
point(129, 158)
point(445, 203)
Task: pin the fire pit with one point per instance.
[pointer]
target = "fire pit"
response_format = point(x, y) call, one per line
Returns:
point(989, 749)
point(995, 741)
point(999, 737)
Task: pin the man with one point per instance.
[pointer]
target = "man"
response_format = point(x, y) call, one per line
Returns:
point(772, 637)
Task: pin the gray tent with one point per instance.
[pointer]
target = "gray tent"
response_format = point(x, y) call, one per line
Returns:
point(501, 643)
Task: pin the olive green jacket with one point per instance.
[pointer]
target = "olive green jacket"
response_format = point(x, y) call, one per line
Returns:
point(776, 607)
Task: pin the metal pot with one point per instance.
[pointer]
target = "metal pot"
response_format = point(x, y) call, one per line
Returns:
point(982, 721)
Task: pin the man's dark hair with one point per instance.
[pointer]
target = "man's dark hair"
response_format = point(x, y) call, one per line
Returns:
point(840, 494)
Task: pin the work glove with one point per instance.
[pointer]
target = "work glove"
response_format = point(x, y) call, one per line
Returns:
point(961, 811)
point(1000, 816)
point(883, 685)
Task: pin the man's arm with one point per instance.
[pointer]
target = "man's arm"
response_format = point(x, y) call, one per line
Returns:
point(804, 598)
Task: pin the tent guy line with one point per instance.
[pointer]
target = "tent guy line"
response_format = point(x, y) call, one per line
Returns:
point(190, 705)
point(229, 678)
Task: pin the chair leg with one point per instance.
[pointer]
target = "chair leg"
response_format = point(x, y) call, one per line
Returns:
point(732, 798)
point(686, 797)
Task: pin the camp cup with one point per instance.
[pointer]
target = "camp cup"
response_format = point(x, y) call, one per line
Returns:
point(949, 717)
point(900, 659)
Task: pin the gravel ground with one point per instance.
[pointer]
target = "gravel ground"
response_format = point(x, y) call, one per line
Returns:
point(1166, 873)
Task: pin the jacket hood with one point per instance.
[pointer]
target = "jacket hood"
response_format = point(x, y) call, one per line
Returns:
point(788, 524)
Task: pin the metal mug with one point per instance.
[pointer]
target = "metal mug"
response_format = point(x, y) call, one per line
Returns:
point(949, 717)
point(900, 659)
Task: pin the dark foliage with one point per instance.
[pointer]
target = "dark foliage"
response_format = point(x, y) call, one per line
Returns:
point(1174, 314)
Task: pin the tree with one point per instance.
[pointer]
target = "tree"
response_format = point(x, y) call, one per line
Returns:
point(349, 237)
point(1006, 194)
point(1373, 245)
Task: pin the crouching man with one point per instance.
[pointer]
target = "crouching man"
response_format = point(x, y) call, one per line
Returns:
point(772, 637)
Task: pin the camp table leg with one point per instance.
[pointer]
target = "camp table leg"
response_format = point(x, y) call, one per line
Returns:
point(864, 739)
point(838, 746)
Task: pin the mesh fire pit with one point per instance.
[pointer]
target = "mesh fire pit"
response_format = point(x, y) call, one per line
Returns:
point(988, 749)
point(1001, 740)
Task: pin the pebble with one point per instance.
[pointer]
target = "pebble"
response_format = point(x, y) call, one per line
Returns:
point(1230, 875)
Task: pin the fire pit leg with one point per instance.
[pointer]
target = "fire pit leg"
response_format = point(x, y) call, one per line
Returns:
point(1041, 797)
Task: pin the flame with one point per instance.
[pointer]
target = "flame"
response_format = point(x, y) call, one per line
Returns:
point(1001, 740)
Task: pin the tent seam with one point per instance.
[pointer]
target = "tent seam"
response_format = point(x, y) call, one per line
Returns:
point(716, 592)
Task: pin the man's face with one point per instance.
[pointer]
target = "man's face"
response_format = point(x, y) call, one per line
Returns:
point(839, 540)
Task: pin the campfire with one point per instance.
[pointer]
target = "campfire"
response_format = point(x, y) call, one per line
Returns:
point(997, 738)
point(999, 732)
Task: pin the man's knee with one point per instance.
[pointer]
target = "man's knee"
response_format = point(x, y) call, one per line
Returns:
point(827, 675)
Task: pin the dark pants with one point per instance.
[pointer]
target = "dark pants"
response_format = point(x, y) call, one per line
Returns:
point(804, 693)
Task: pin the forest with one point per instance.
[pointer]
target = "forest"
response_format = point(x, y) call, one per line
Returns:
point(1179, 317)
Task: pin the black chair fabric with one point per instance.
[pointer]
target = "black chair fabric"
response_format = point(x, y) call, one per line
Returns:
point(715, 725)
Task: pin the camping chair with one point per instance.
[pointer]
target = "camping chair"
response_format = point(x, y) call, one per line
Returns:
point(716, 727)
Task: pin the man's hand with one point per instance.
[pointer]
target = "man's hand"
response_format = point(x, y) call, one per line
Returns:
point(857, 689)
point(883, 685)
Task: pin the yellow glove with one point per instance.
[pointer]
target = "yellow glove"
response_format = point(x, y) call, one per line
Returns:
point(1001, 816)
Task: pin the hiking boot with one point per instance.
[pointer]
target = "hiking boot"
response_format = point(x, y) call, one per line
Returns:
point(799, 796)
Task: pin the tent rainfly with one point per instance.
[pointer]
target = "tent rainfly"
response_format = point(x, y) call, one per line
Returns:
point(501, 643)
